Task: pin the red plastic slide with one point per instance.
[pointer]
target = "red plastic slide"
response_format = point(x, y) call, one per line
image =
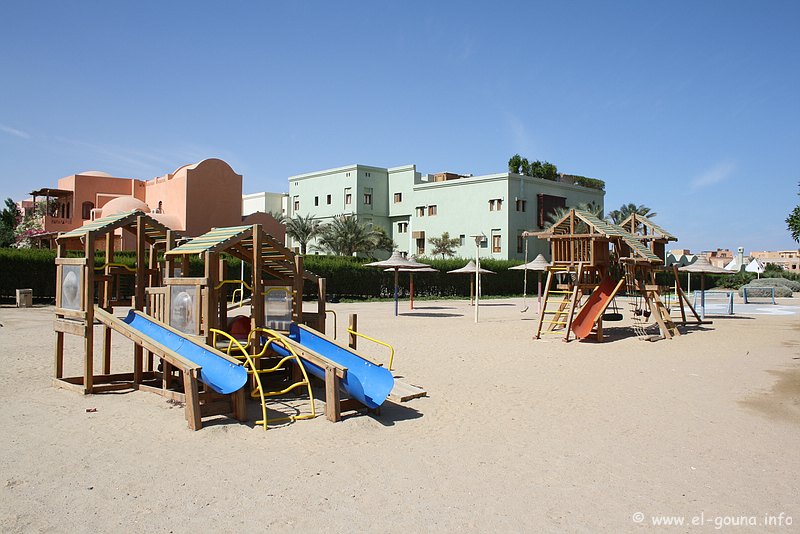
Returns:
point(598, 301)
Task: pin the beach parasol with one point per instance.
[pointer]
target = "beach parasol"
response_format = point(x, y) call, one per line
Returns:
point(538, 264)
point(470, 269)
point(397, 262)
point(755, 266)
point(426, 269)
point(703, 266)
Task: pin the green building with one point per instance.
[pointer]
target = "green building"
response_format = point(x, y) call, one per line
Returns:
point(413, 207)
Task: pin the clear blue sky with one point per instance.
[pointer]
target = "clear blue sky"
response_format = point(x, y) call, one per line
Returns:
point(691, 108)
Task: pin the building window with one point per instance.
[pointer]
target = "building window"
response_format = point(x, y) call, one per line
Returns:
point(368, 196)
point(368, 175)
point(462, 238)
point(86, 210)
point(398, 197)
point(520, 244)
point(402, 227)
point(420, 246)
point(496, 204)
point(316, 201)
point(432, 210)
point(521, 204)
point(348, 196)
point(420, 210)
point(495, 243)
point(328, 199)
point(296, 203)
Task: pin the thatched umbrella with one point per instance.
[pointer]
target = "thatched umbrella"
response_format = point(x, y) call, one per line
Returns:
point(539, 264)
point(470, 269)
point(397, 262)
point(426, 269)
point(703, 266)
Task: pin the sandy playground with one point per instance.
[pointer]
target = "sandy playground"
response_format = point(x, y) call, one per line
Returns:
point(515, 435)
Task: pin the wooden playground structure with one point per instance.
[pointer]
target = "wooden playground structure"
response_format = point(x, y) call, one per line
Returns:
point(592, 262)
point(186, 348)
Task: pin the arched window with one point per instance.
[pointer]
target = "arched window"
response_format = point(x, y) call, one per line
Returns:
point(86, 210)
point(69, 215)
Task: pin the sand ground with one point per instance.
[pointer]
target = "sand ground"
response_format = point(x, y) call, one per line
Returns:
point(515, 435)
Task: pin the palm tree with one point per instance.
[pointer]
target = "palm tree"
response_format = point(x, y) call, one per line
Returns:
point(302, 229)
point(559, 213)
point(626, 210)
point(346, 236)
point(278, 216)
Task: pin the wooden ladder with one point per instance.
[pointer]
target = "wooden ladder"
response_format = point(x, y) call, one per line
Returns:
point(566, 299)
point(661, 313)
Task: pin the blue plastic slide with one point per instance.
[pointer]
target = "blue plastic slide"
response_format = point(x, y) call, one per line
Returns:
point(365, 381)
point(217, 373)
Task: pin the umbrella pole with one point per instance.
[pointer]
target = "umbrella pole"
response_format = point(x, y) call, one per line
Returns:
point(539, 301)
point(525, 279)
point(411, 288)
point(471, 291)
point(702, 296)
point(396, 271)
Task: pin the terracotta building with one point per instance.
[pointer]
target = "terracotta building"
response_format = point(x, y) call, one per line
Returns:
point(191, 200)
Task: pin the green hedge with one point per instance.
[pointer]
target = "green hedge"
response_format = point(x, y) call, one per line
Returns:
point(28, 269)
point(347, 276)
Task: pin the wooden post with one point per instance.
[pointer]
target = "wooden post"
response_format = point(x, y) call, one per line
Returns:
point(192, 400)
point(106, 303)
point(222, 301)
point(257, 298)
point(332, 400)
point(88, 303)
point(353, 325)
point(239, 405)
point(59, 364)
point(321, 317)
point(298, 289)
point(210, 308)
point(139, 294)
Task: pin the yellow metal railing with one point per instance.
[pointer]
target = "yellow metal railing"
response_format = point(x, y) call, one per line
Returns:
point(379, 342)
point(272, 338)
point(126, 267)
point(334, 322)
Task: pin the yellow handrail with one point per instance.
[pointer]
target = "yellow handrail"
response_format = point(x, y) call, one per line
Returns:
point(242, 282)
point(391, 355)
point(241, 298)
point(131, 269)
point(278, 339)
point(334, 322)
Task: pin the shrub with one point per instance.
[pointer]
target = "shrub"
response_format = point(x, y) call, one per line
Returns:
point(780, 290)
point(30, 268)
point(776, 282)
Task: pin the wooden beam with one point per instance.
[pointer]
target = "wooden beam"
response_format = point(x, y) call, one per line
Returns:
point(192, 400)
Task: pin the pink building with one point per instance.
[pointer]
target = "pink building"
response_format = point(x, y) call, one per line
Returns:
point(191, 200)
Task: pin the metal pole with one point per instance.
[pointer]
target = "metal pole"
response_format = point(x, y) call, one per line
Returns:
point(396, 270)
point(477, 276)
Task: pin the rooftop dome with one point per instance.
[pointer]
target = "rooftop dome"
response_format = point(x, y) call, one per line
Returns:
point(95, 173)
point(124, 205)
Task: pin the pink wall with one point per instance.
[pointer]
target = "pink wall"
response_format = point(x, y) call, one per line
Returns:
point(214, 196)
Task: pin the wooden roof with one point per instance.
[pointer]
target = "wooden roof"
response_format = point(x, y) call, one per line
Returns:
point(598, 228)
point(238, 241)
point(153, 229)
point(650, 229)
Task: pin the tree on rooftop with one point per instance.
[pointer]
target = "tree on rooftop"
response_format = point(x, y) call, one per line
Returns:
point(793, 222)
point(444, 245)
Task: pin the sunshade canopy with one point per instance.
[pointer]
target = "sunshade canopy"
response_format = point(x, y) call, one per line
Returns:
point(538, 264)
point(470, 269)
point(397, 261)
point(702, 265)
